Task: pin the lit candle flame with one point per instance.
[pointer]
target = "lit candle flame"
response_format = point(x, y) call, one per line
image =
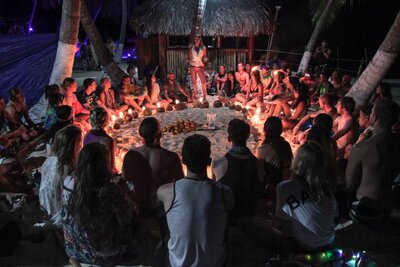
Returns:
point(130, 111)
point(258, 111)
point(158, 105)
point(254, 68)
point(201, 99)
point(236, 103)
point(275, 72)
point(247, 107)
point(113, 118)
point(121, 114)
point(255, 119)
point(177, 101)
point(143, 108)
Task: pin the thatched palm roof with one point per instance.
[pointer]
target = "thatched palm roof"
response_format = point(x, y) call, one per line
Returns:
point(221, 17)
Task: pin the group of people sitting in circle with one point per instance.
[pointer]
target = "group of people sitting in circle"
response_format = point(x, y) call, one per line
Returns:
point(100, 211)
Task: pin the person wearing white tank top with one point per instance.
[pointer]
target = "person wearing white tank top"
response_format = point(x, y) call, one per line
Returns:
point(196, 210)
point(196, 57)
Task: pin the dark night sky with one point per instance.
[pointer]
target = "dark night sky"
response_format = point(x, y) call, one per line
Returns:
point(363, 27)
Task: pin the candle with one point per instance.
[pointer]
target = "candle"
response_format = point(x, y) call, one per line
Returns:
point(236, 103)
point(177, 101)
point(201, 99)
point(143, 108)
point(247, 107)
point(113, 118)
point(158, 105)
point(258, 111)
point(130, 111)
point(121, 114)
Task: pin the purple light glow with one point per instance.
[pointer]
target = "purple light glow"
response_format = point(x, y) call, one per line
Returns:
point(30, 29)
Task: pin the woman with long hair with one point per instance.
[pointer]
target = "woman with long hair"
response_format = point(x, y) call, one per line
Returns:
point(61, 163)
point(231, 86)
point(98, 217)
point(69, 87)
point(306, 201)
point(275, 152)
point(197, 56)
point(99, 119)
point(254, 92)
point(152, 89)
point(107, 97)
point(298, 109)
point(16, 110)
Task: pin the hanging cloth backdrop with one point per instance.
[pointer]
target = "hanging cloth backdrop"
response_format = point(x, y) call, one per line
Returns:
point(26, 61)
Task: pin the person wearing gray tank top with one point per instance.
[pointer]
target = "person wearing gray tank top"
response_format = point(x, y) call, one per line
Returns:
point(196, 209)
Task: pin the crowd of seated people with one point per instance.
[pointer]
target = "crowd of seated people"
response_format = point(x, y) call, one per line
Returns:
point(101, 212)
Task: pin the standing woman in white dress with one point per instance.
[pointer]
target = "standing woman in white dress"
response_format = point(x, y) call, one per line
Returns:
point(62, 162)
point(197, 57)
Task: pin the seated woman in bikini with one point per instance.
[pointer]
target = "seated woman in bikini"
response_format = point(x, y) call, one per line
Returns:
point(254, 92)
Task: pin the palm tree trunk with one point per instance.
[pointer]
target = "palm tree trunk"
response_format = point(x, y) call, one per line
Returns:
point(66, 49)
point(124, 21)
point(104, 55)
point(379, 65)
point(312, 43)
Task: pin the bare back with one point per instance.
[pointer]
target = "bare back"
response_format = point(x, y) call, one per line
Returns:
point(166, 165)
point(373, 166)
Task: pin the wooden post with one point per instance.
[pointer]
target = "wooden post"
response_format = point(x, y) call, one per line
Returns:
point(250, 49)
point(162, 58)
point(219, 41)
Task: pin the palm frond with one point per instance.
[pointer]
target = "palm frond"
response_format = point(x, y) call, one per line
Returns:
point(318, 6)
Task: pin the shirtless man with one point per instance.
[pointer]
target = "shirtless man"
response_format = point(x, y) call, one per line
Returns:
point(166, 165)
point(172, 90)
point(325, 103)
point(345, 125)
point(242, 77)
point(373, 166)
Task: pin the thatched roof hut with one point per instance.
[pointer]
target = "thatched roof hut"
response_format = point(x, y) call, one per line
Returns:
point(228, 18)
point(155, 20)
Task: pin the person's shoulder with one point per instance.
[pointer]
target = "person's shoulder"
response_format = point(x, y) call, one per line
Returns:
point(265, 147)
point(219, 161)
point(287, 185)
point(168, 153)
point(10, 107)
point(165, 190)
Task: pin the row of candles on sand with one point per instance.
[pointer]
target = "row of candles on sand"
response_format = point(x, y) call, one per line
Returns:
point(122, 117)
